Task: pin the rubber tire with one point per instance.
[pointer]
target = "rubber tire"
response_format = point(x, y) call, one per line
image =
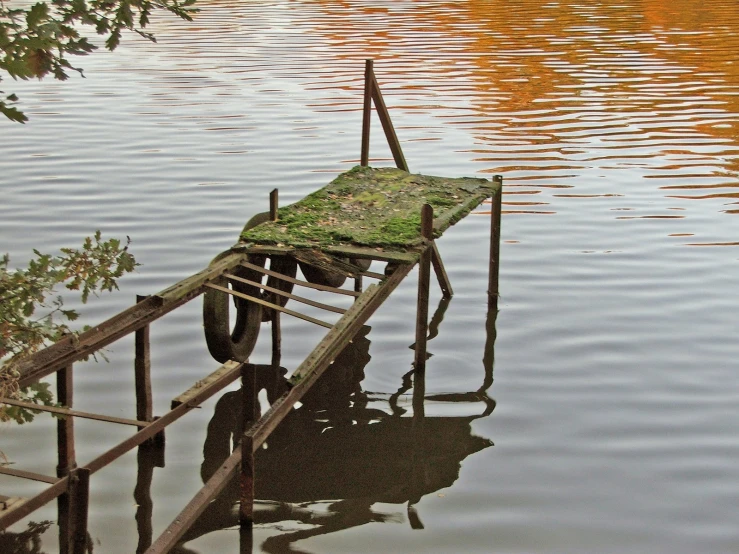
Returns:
point(361, 263)
point(284, 265)
point(321, 277)
point(238, 344)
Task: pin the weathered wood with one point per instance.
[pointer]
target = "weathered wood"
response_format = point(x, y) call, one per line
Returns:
point(440, 270)
point(270, 305)
point(424, 277)
point(273, 204)
point(494, 262)
point(142, 371)
point(69, 414)
point(299, 282)
point(387, 126)
point(366, 253)
point(295, 297)
point(366, 111)
point(225, 370)
point(276, 332)
point(65, 425)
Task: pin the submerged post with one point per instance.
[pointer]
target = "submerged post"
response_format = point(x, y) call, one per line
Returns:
point(80, 493)
point(495, 212)
point(424, 277)
point(66, 456)
point(142, 371)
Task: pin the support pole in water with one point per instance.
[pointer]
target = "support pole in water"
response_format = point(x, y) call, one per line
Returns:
point(424, 277)
point(66, 456)
point(142, 371)
point(495, 211)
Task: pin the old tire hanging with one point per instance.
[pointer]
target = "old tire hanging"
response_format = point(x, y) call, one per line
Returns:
point(224, 344)
point(284, 265)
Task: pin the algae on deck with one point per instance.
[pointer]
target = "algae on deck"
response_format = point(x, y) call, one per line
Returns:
point(372, 207)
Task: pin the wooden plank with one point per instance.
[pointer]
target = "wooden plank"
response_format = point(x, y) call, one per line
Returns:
point(440, 270)
point(367, 253)
point(270, 305)
point(10, 502)
point(295, 297)
point(299, 282)
point(387, 126)
point(228, 368)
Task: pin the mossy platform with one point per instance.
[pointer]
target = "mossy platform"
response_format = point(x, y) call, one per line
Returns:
point(371, 208)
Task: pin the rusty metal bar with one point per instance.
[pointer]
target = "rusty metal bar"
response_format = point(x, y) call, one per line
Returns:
point(494, 261)
point(298, 281)
point(303, 377)
point(295, 297)
point(30, 475)
point(142, 371)
point(387, 126)
point(367, 111)
point(440, 270)
point(424, 277)
point(72, 413)
point(273, 204)
point(270, 305)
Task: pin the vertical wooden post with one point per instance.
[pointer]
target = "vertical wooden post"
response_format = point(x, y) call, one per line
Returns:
point(357, 285)
point(80, 493)
point(424, 275)
point(246, 510)
point(276, 339)
point(366, 111)
point(249, 399)
point(273, 204)
point(66, 456)
point(495, 212)
point(142, 370)
point(65, 424)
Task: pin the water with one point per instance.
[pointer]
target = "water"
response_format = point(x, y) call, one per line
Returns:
point(616, 128)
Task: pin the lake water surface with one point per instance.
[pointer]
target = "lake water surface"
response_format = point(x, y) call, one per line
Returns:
point(616, 128)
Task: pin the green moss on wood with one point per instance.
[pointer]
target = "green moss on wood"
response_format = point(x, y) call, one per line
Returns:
point(371, 207)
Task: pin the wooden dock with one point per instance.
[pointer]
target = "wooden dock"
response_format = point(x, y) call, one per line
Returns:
point(365, 215)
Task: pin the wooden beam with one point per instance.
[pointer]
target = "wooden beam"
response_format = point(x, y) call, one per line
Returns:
point(444, 283)
point(387, 126)
point(494, 262)
point(424, 277)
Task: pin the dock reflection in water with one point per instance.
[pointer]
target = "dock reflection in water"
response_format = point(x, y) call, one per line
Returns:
point(345, 449)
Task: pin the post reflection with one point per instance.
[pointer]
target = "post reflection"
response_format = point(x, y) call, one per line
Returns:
point(344, 450)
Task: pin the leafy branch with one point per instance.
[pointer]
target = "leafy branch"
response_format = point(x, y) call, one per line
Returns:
point(36, 41)
point(33, 315)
